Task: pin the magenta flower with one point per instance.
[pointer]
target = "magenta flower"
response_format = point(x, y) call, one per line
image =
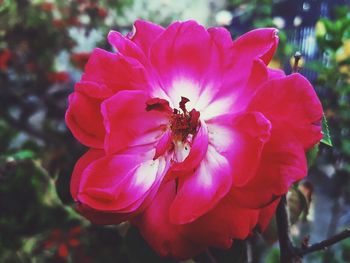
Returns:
point(192, 137)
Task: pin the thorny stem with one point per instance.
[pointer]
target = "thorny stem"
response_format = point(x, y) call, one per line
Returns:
point(288, 252)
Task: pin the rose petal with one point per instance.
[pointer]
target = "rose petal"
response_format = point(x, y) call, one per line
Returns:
point(201, 191)
point(240, 138)
point(127, 47)
point(163, 145)
point(236, 90)
point(177, 55)
point(164, 237)
point(115, 71)
point(220, 226)
point(93, 89)
point(145, 34)
point(128, 123)
point(118, 183)
point(84, 120)
point(239, 67)
point(291, 103)
point(198, 151)
point(221, 36)
point(276, 73)
point(283, 162)
point(266, 214)
point(258, 43)
point(89, 157)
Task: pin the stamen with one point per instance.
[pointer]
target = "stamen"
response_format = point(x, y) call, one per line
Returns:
point(184, 124)
point(182, 104)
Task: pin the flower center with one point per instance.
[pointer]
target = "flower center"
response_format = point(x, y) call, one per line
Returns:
point(184, 124)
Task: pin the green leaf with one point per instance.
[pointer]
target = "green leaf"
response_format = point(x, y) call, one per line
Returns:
point(23, 155)
point(325, 130)
point(273, 256)
point(311, 155)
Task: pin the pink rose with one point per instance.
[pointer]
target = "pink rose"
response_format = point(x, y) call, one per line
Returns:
point(192, 137)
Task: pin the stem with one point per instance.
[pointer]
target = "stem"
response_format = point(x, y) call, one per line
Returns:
point(249, 251)
point(325, 243)
point(290, 253)
point(210, 256)
point(286, 246)
point(297, 57)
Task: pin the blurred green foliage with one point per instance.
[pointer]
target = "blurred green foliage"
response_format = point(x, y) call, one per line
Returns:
point(333, 85)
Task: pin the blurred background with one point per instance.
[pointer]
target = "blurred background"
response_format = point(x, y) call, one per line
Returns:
point(44, 46)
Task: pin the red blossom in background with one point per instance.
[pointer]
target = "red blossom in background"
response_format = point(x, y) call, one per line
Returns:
point(5, 56)
point(58, 23)
point(62, 241)
point(58, 77)
point(102, 12)
point(47, 7)
point(80, 59)
point(192, 137)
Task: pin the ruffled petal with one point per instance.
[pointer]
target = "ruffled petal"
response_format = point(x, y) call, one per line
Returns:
point(115, 71)
point(241, 139)
point(84, 119)
point(164, 144)
point(164, 237)
point(266, 214)
point(128, 123)
point(199, 192)
point(240, 68)
point(218, 65)
point(220, 226)
point(276, 73)
point(95, 216)
point(237, 88)
point(178, 57)
point(145, 34)
point(291, 103)
point(258, 43)
point(197, 152)
point(93, 89)
point(283, 163)
point(120, 182)
point(90, 156)
point(127, 47)
point(221, 36)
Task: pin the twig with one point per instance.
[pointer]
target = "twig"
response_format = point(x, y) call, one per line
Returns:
point(296, 66)
point(210, 256)
point(249, 251)
point(287, 250)
point(325, 243)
